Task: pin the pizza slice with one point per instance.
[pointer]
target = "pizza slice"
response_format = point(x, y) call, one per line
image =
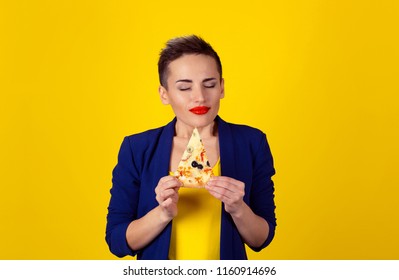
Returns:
point(194, 169)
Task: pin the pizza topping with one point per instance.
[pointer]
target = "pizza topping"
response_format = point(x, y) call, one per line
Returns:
point(191, 169)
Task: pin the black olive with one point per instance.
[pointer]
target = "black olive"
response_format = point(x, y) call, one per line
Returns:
point(207, 163)
point(194, 164)
point(200, 166)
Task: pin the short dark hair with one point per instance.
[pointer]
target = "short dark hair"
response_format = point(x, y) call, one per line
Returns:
point(180, 46)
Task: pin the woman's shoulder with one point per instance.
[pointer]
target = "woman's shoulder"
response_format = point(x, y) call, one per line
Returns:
point(243, 130)
point(243, 136)
point(145, 135)
point(151, 137)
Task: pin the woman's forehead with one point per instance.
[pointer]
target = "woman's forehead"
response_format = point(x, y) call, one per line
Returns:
point(193, 64)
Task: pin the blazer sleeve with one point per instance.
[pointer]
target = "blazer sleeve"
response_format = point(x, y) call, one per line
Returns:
point(122, 209)
point(262, 191)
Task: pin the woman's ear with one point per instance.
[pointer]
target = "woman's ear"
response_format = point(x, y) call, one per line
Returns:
point(163, 94)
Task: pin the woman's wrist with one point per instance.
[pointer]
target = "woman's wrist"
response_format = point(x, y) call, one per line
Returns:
point(239, 211)
point(164, 217)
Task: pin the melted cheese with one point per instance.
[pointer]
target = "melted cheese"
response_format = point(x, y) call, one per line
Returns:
point(194, 169)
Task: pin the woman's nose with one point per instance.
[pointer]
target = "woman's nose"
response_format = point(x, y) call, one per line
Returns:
point(199, 94)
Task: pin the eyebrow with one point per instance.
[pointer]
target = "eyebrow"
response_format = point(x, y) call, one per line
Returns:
point(184, 81)
point(190, 81)
point(209, 79)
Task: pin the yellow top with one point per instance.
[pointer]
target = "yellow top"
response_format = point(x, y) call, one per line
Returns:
point(196, 228)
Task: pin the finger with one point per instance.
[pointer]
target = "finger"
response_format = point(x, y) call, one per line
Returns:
point(225, 179)
point(226, 182)
point(229, 184)
point(167, 193)
point(220, 193)
point(164, 195)
point(230, 203)
point(175, 198)
point(167, 183)
point(225, 191)
point(168, 179)
point(223, 187)
point(167, 203)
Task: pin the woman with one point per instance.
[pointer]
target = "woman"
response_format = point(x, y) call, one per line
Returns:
point(150, 214)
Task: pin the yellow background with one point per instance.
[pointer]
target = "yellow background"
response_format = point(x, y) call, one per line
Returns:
point(319, 77)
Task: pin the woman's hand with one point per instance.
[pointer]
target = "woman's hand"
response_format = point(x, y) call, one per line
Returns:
point(229, 191)
point(142, 231)
point(253, 228)
point(167, 196)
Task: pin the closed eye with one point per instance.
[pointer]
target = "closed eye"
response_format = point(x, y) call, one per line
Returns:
point(184, 84)
point(209, 82)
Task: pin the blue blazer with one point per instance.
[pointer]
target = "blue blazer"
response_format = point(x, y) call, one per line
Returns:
point(144, 158)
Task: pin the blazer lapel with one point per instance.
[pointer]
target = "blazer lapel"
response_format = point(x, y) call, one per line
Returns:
point(228, 162)
point(160, 163)
point(227, 154)
point(165, 141)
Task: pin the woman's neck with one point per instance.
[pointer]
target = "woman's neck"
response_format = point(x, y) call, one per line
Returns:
point(185, 131)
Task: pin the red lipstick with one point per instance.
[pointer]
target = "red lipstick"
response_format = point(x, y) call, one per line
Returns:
point(200, 110)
